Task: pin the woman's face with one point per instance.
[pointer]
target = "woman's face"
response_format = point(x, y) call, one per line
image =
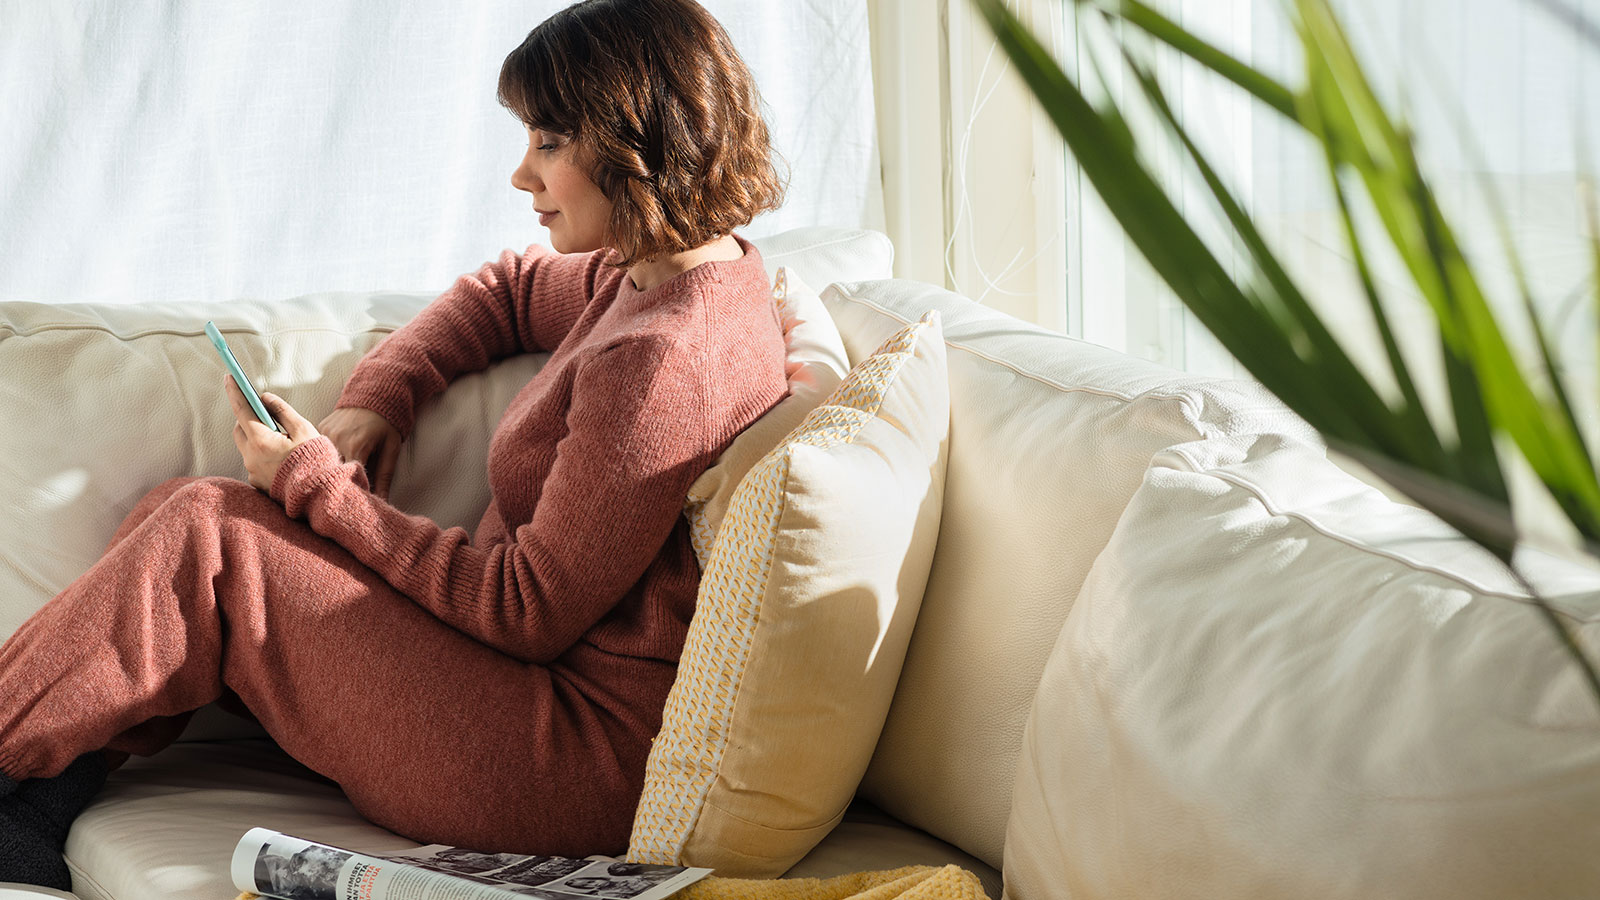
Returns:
point(568, 203)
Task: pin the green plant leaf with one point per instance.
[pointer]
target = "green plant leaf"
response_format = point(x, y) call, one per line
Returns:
point(1144, 17)
point(1594, 252)
point(1548, 355)
point(1383, 155)
point(1487, 521)
point(1476, 462)
point(1431, 452)
point(1236, 316)
point(1292, 315)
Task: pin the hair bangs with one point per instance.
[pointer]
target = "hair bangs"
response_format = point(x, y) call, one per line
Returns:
point(536, 90)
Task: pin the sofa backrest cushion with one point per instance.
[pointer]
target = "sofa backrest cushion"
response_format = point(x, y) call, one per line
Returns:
point(1277, 682)
point(1049, 437)
point(823, 255)
point(99, 403)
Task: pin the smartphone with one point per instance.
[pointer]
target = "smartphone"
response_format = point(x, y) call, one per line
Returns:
point(239, 378)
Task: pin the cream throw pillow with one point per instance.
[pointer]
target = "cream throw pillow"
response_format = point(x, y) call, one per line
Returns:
point(814, 364)
point(1278, 683)
point(805, 608)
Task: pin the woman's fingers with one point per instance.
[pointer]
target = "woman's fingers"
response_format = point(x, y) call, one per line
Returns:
point(365, 437)
point(355, 444)
point(236, 401)
point(366, 448)
point(388, 456)
point(245, 422)
point(299, 428)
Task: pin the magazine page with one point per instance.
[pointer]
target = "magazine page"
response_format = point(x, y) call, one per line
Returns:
point(277, 865)
point(557, 877)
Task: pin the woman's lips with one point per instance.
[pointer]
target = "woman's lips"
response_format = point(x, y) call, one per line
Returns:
point(545, 217)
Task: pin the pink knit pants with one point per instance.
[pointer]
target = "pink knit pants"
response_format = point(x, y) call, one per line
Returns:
point(209, 585)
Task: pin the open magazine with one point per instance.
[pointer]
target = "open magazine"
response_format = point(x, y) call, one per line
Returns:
point(276, 865)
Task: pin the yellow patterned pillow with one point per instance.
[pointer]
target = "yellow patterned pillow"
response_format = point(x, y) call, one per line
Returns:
point(806, 605)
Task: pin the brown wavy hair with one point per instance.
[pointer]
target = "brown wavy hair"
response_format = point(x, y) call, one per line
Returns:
point(662, 110)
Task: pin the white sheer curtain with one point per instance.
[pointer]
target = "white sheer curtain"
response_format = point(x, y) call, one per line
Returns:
point(267, 148)
point(1500, 94)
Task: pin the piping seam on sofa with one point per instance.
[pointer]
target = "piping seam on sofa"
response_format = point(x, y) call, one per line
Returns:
point(1183, 398)
point(1257, 492)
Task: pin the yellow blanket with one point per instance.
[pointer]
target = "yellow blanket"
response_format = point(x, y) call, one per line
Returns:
point(909, 883)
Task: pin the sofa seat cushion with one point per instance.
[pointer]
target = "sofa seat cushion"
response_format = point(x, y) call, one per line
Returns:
point(871, 840)
point(164, 828)
point(1277, 682)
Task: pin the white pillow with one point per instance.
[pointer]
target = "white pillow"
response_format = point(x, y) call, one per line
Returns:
point(823, 254)
point(1278, 683)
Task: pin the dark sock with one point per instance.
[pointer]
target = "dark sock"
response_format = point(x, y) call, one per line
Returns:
point(27, 854)
point(61, 798)
point(35, 818)
point(6, 785)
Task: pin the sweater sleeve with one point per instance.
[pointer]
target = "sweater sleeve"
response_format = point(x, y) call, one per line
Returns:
point(516, 304)
point(636, 441)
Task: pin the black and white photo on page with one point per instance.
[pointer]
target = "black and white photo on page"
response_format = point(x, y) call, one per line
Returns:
point(300, 872)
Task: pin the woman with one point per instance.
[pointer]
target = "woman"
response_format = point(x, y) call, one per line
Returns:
point(497, 691)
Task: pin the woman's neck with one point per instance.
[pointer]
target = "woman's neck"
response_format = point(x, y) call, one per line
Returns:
point(650, 273)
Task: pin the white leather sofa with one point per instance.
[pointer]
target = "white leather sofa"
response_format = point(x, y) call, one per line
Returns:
point(1166, 648)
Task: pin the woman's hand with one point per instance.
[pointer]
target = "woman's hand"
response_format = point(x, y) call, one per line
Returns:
point(363, 436)
point(262, 448)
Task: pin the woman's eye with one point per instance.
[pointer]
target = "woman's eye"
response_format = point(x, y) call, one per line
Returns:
point(547, 146)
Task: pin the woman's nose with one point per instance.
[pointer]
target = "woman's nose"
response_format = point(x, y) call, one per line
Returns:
point(523, 178)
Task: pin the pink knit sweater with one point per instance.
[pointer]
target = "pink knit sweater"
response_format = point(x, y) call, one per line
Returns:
point(583, 540)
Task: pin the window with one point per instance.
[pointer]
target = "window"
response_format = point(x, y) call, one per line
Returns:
point(1505, 100)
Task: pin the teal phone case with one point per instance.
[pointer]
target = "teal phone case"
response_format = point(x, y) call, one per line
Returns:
point(240, 379)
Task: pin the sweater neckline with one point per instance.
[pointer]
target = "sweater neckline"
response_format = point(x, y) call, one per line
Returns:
point(712, 271)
